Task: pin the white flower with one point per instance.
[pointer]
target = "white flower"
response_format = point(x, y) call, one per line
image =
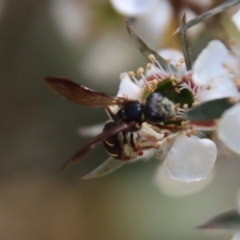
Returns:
point(228, 128)
point(211, 73)
point(188, 156)
point(132, 8)
point(154, 18)
point(192, 158)
point(222, 84)
point(226, 86)
point(174, 188)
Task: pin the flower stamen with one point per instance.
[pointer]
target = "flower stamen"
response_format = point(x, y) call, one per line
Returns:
point(140, 71)
point(177, 90)
point(151, 86)
point(168, 139)
point(151, 58)
point(185, 107)
point(131, 74)
point(208, 87)
point(158, 144)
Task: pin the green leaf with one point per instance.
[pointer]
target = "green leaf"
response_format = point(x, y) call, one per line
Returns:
point(146, 50)
point(209, 110)
point(226, 220)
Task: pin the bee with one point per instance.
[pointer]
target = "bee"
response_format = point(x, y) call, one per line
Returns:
point(119, 136)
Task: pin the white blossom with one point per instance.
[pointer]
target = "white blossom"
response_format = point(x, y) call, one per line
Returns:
point(192, 158)
point(187, 154)
point(211, 69)
point(228, 128)
point(174, 188)
point(132, 8)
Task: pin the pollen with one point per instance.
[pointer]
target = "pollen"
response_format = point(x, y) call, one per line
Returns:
point(229, 68)
point(140, 71)
point(195, 104)
point(188, 78)
point(182, 60)
point(237, 81)
point(149, 66)
point(188, 134)
point(168, 60)
point(169, 139)
point(193, 131)
point(232, 100)
point(158, 144)
point(185, 106)
point(151, 58)
point(172, 78)
point(178, 65)
point(177, 90)
point(184, 123)
point(208, 87)
point(131, 74)
point(152, 85)
point(177, 106)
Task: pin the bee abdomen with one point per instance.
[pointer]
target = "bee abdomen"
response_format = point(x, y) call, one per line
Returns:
point(121, 145)
point(113, 145)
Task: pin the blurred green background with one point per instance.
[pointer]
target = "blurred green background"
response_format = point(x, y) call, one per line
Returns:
point(39, 133)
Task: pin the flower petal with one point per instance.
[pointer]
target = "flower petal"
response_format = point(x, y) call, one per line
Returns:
point(228, 128)
point(220, 87)
point(171, 53)
point(129, 88)
point(133, 8)
point(210, 63)
point(190, 158)
point(175, 56)
point(163, 150)
point(176, 188)
point(153, 25)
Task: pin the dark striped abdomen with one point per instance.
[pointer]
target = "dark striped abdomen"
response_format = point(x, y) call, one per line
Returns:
point(113, 144)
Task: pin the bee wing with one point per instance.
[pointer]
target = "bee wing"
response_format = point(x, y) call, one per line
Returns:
point(109, 166)
point(80, 94)
point(95, 142)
